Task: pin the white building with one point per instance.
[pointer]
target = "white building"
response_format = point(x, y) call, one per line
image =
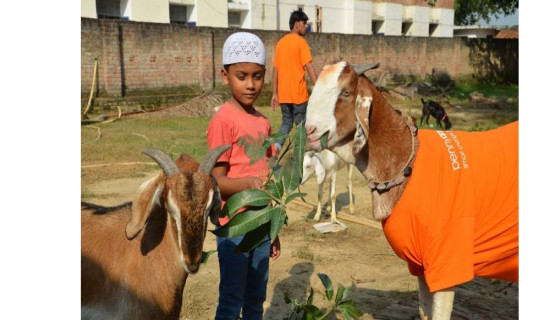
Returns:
point(391, 17)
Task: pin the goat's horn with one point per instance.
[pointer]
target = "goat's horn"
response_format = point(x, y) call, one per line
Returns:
point(209, 160)
point(362, 68)
point(164, 161)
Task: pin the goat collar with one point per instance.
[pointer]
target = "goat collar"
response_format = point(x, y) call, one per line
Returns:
point(381, 186)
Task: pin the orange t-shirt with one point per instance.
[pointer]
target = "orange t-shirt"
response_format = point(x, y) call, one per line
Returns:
point(227, 126)
point(291, 55)
point(458, 215)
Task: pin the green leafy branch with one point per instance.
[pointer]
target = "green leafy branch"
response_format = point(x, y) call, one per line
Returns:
point(262, 212)
point(308, 311)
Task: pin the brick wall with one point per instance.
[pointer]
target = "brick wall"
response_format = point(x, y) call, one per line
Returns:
point(136, 58)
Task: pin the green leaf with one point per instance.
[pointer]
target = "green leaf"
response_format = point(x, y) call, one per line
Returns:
point(311, 311)
point(346, 293)
point(246, 221)
point(299, 146)
point(250, 197)
point(275, 188)
point(323, 140)
point(274, 137)
point(254, 150)
point(329, 292)
point(310, 298)
point(349, 310)
point(278, 173)
point(277, 220)
point(294, 195)
point(253, 238)
point(206, 255)
point(339, 293)
point(291, 176)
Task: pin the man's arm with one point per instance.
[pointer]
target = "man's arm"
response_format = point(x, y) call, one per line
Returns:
point(274, 83)
point(311, 72)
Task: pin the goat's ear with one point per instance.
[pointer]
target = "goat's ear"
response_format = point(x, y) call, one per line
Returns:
point(362, 111)
point(320, 170)
point(145, 200)
point(215, 208)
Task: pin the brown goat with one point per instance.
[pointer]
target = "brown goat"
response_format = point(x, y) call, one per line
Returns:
point(136, 257)
point(429, 188)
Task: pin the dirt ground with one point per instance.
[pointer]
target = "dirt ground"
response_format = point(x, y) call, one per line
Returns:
point(359, 257)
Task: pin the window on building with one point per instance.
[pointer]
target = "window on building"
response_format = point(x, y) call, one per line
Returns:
point(433, 27)
point(234, 19)
point(178, 14)
point(108, 9)
point(377, 27)
point(406, 28)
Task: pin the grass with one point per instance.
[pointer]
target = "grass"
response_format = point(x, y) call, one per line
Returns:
point(120, 144)
point(303, 253)
point(464, 89)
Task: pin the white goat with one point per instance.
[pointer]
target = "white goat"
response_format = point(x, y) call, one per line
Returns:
point(136, 257)
point(325, 164)
point(448, 199)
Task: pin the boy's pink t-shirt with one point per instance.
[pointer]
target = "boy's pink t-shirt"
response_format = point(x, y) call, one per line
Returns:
point(227, 126)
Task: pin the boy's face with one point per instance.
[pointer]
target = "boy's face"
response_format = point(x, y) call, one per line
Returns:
point(245, 80)
point(301, 27)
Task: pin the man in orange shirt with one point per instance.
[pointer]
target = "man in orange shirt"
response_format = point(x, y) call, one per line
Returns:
point(292, 59)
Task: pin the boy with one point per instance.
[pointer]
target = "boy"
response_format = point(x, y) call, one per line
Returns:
point(243, 276)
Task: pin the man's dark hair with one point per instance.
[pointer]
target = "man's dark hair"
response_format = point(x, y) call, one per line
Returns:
point(297, 16)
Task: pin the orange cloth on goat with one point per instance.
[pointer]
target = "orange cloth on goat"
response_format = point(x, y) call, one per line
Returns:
point(458, 215)
point(227, 126)
point(291, 55)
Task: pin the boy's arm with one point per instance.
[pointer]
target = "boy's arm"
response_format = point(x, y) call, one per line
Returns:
point(274, 83)
point(230, 186)
point(311, 72)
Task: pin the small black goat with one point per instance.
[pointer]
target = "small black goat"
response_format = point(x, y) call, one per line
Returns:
point(434, 109)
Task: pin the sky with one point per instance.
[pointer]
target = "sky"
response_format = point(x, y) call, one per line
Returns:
point(511, 20)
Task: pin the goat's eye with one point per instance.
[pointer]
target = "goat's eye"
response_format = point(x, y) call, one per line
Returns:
point(345, 93)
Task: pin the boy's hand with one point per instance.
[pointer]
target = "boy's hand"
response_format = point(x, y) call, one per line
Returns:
point(275, 249)
point(254, 183)
point(274, 101)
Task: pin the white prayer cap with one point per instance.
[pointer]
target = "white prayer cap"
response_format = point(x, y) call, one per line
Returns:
point(243, 47)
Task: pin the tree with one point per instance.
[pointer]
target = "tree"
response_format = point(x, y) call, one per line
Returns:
point(469, 12)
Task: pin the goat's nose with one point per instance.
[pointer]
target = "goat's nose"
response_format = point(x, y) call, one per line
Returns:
point(310, 129)
point(193, 268)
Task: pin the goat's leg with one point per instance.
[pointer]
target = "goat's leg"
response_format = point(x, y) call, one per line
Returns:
point(319, 204)
point(425, 298)
point(350, 191)
point(443, 304)
point(437, 305)
point(333, 198)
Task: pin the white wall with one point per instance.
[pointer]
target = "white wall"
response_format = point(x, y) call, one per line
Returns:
point(358, 17)
point(446, 22)
point(263, 14)
point(211, 13)
point(87, 9)
point(420, 20)
point(157, 11)
point(338, 16)
point(393, 14)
